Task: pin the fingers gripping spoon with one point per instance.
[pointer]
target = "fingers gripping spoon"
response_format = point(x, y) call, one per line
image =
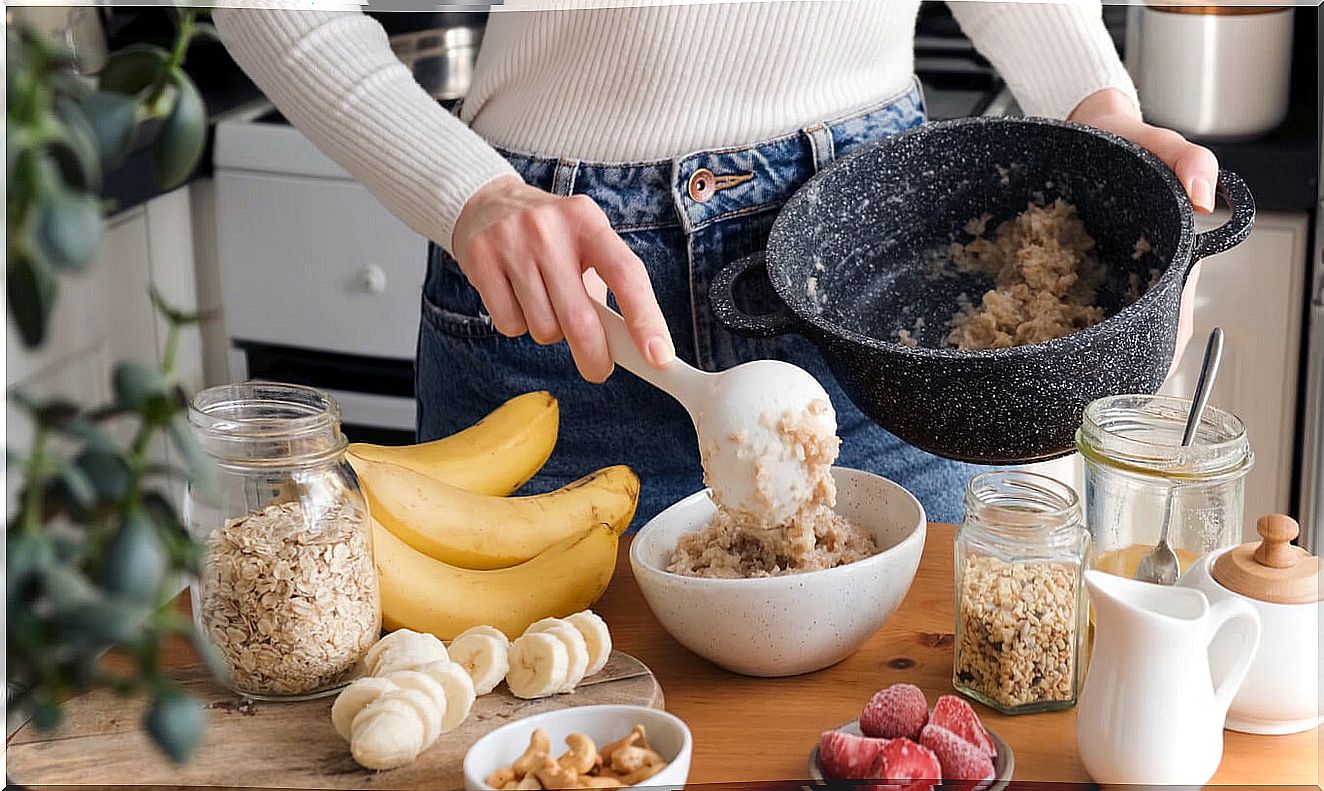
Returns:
point(747, 460)
point(1160, 565)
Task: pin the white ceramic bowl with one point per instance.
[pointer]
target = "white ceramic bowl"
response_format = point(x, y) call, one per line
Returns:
point(798, 623)
point(603, 724)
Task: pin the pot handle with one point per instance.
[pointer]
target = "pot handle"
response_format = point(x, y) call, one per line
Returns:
point(721, 293)
point(1233, 232)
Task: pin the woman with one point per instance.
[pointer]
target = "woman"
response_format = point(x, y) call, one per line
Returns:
point(645, 146)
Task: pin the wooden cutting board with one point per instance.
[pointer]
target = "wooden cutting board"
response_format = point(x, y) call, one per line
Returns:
point(276, 745)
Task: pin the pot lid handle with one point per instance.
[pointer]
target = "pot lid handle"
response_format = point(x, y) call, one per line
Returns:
point(1272, 569)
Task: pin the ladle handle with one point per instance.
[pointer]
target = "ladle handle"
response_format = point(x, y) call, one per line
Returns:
point(1213, 355)
point(685, 383)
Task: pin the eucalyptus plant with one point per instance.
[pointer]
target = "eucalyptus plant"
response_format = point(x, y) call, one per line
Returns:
point(95, 547)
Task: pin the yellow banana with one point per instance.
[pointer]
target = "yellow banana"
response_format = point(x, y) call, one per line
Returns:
point(427, 595)
point(478, 531)
point(495, 456)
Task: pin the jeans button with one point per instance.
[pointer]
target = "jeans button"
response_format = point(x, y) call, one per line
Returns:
point(701, 185)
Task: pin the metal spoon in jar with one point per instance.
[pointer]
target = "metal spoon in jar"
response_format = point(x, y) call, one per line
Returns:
point(1160, 565)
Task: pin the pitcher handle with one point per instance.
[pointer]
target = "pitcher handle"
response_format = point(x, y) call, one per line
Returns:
point(1222, 613)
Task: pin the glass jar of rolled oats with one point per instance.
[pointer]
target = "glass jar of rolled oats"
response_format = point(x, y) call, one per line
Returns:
point(1020, 606)
point(287, 592)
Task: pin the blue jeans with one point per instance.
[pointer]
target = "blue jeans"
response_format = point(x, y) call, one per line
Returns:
point(465, 368)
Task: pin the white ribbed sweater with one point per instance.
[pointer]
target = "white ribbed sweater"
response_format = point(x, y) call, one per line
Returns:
point(618, 82)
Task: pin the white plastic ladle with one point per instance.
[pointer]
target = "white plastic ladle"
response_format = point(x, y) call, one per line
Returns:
point(735, 414)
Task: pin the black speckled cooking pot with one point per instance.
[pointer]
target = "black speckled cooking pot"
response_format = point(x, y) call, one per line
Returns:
point(851, 260)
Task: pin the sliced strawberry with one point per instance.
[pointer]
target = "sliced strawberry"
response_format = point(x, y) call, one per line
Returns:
point(907, 766)
point(964, 766)
point(956, 715)
point(898, 711)
point(846, 756)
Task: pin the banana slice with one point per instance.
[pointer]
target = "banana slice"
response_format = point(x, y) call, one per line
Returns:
point(539, 666)
point(421, 681)
point(598, 637)
point(353, 698)
point(403, 649)
point(387, 733)
point(485, 657)
point(574, 643)
point(459, 690)
point(490, 631)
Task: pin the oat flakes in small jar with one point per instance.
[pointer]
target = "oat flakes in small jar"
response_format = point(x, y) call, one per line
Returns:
point(287, 592)
point(1020, 603)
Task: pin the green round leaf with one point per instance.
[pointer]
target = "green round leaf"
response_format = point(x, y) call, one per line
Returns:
point(47, 716)
point(132, 69)
point(69, 229)
point(175, 723)
point(76, 150)
point(26, 557)
point(134, 564)
point(115, 622)
point(201, 467)
point(31, 295)
point(114, 120)
point(67, 589)
point(136, 384)
point(179, 144)
point(107, 471)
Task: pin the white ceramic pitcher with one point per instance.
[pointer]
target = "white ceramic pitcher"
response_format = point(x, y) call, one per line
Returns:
point(1150, 712)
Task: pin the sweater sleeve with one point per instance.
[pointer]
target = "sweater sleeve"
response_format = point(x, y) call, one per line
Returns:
point(334, 76)
point(1052, 54)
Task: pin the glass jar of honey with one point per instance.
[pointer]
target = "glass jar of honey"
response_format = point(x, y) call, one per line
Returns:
point(1134, 460)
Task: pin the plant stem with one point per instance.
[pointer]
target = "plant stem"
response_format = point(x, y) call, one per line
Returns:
point(35, 474)
point(171, 349)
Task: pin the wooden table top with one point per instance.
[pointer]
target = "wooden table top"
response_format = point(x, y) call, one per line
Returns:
point(749, 730)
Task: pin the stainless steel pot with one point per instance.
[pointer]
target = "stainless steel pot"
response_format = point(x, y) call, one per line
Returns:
point(441, 59)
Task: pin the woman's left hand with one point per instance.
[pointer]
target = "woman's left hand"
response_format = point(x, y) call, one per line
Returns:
point(1196, 168)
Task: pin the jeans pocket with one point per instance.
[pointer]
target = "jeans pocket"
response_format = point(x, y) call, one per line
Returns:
point(450, 303)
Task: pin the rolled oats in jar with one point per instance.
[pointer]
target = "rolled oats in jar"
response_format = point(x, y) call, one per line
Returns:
point(1020, 607)
point(287, 593)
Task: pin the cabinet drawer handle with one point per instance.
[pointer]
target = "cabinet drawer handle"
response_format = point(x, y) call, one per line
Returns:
point(372, 279)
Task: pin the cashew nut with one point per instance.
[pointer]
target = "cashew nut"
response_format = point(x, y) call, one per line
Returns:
point(642, 773)
point(529, 783)
point(511, 786)
point(500, 777)
point(582, 756)
point(540, 745)
point(552, 775)
point(628, 760)
point(600, 782)
point(628, 740)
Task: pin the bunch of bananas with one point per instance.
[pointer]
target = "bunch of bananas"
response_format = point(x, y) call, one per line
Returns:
point(455, 550)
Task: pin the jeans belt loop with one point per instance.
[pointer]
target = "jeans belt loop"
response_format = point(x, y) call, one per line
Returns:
point(563, 178)
point(820, 141)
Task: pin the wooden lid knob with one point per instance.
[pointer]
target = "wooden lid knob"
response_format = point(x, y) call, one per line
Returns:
point(1276, 550)
point(1272, 569)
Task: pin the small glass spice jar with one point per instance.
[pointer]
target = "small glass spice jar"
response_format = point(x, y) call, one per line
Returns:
point(1135, 464)
point(1020, 606)
point(287, 592)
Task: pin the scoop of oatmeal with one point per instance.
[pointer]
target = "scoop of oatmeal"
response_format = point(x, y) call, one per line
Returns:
point(739, 543)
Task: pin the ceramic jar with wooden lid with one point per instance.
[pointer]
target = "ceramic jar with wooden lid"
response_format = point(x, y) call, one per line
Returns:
point(1282, 690)
point(1212, 71)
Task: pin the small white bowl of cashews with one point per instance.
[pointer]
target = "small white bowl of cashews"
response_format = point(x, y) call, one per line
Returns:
point(637, 740)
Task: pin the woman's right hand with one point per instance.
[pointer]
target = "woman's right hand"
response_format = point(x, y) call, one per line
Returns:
point(529, 254)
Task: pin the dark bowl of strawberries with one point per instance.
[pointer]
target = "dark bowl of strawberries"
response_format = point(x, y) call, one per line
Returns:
point(899, 742)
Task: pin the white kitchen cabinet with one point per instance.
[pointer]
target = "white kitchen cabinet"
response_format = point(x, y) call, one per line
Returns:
point(1255, 293)
point(105, 315)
